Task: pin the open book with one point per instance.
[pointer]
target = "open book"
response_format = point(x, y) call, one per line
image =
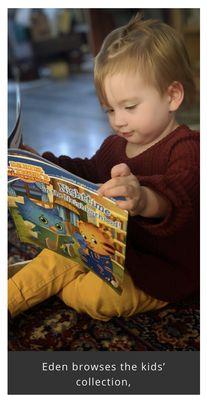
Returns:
point(55, 209)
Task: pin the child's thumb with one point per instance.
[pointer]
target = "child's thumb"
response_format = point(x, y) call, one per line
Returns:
point(120, 170)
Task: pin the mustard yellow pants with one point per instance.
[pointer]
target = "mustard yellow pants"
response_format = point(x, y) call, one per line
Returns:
point(49, 274)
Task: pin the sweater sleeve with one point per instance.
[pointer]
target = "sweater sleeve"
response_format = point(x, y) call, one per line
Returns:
point(179, 185)
point(87, 168)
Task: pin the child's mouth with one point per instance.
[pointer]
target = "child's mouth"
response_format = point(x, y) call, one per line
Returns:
point(126, 134)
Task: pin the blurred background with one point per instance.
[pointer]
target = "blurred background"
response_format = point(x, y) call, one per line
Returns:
point(51, 52)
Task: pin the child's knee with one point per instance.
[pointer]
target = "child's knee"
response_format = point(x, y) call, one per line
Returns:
point(89, 294)
point(99, 308)
point(100, 301)
point(103, 303)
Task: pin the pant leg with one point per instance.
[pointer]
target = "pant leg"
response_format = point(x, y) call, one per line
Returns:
point(89, 294)
point(41, 278)
point(50, 273)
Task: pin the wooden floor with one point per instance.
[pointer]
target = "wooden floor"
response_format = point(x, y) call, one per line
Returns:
point(61, 116)
point(65, 117)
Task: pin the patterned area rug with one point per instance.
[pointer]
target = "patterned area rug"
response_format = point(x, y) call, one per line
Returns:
point(53, 326)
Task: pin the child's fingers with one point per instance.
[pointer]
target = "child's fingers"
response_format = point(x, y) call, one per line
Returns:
point(114, 182)
point(128, 182)
point(126, 204)
point(120, 191)
point(120, 170)
point(115, 192)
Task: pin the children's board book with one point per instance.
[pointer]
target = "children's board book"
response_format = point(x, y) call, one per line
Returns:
point(55, 209)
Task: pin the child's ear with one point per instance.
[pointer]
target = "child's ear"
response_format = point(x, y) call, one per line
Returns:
point(176, 95)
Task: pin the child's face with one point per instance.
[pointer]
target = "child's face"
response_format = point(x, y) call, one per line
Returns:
point(137, 111)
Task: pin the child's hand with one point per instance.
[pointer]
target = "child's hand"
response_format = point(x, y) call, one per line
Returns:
point(28, 148)
point(124, 183)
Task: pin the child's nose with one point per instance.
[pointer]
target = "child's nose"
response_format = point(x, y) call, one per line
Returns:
point(119, 119)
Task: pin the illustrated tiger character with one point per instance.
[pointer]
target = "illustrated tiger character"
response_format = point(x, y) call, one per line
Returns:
point(98, 249)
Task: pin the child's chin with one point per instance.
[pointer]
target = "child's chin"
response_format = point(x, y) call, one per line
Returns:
point(139, 139)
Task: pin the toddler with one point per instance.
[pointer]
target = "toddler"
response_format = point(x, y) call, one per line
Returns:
point(142, 76)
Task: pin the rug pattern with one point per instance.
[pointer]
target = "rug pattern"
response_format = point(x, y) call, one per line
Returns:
point(52, 326)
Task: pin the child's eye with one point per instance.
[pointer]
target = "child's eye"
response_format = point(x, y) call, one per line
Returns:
point(94, 241)
point(131, 107)
point(109, 111)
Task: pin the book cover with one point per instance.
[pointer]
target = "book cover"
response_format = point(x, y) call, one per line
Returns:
point(55, 209)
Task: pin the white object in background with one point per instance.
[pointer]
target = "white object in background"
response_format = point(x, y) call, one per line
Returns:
point(22, 17)
point(51, 14)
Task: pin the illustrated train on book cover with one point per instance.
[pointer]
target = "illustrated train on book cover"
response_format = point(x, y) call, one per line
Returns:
point(66, 216)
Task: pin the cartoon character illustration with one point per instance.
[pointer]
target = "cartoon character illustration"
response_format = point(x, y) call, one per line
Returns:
point(41, 216)
point(82, 243)
point(48, 223)
point(100, 248)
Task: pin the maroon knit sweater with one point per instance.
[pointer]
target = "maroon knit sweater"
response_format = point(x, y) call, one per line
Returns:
point(162, 255)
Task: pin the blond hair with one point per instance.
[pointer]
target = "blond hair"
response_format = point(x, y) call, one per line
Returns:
point(149, 46)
